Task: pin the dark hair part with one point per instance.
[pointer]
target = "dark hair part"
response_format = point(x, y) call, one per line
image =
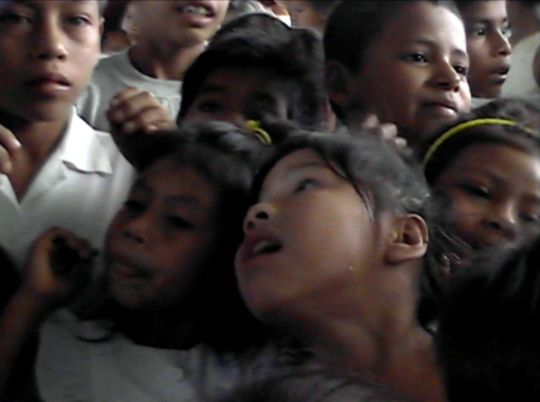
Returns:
point(267, 23)
point(227, 158)
point(295, 59)
point(354, 25)
point(488, 336)
point(517, 136)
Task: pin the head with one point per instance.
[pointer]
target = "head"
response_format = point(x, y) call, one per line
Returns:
point(310, 13)
point(404, 61)
point(179, 23)
point(49, 50)
point(329, 213)
point(488, 170)
point(488, 45)
point(487, 339)
point(170, 247)
point(253, 75)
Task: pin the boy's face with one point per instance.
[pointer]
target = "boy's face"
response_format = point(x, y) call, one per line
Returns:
point(159, 242)
point(48, 50)
point(486, 23)
point(180, 22)
point(494, 191)
point(236, 95)
point(414, 74)
point(309, 236)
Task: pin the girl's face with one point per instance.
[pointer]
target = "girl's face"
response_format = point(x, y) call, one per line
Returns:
point(486, 23)
point(48, 51)
point(158, 244)
point(494, 190)
point(303, 15)
point(237, 95)
point(306, 239)
point(414, 74)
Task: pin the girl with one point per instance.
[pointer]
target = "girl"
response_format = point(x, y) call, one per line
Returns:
point(172, 299)
point(406, 62)
point(333, 248)
point(488, 169)
point(488, 45)
point(310, 13)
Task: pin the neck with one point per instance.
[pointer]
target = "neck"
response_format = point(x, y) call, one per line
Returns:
point(382, 342)
point(161, 62)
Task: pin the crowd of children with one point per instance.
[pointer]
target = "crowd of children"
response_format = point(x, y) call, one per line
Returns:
point(269, 200)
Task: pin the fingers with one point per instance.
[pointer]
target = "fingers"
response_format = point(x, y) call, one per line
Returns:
point(134, 110)
point(9, 145)
point(388, 131)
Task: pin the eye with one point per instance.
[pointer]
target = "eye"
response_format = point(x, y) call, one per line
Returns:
point(79, 20)
point(134, 205)
point(416, 57)
point(14, 18)
point(475, 190)
point(179, 222)
point(478, 31)
point(461, 70)
point(506, 32)
point(210, 107)
point(306, 184)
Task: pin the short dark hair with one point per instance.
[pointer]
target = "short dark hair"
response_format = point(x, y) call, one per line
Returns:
point(354, 25)
point(294, 58)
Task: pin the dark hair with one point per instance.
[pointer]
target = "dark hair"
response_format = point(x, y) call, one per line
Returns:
point(354, 25)
point(488, 339)
point(517, 136)
point(264, 22)
point(380, 175)
point(228, 158)
point(295, 59)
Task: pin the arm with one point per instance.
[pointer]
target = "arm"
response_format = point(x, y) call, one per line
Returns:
point(57, 269)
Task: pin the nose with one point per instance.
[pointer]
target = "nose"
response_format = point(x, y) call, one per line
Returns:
point(501, 44)
point(136, 229)
point(258, 214)
point(503, 220)
point(446, 77)
point(49, 41)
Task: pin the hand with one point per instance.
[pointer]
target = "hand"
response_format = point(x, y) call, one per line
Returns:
point(58, 267)
point(387, 131)
point(134, 115)
point(9, 145)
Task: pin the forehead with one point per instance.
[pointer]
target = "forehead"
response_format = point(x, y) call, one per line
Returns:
point(422, 20)
point(515, 166)
point(167, 178)
point(296, 161)
point(484, 10)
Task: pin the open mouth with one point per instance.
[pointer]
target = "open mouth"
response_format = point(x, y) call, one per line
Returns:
point(198, 10)
point(265, 247)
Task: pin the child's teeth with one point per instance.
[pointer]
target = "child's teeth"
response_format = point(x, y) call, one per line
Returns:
point(195, 10)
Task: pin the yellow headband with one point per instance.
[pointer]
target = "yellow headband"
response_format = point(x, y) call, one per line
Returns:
point(255, 128)
point(462, 127)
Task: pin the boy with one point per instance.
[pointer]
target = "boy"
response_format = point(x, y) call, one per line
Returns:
point(171, 34)
point(54, 169)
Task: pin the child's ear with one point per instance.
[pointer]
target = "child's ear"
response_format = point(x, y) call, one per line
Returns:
point(408, 240)
point(337, 78)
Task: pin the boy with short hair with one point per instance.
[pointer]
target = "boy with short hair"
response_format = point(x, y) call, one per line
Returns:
point(170, 37)
point(55, 170)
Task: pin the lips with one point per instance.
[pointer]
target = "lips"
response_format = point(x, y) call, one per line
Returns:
point(197, 9)
point(255, 245)
point(52, 78)
point(126, 268)
point(499, 74)
point(443, 107)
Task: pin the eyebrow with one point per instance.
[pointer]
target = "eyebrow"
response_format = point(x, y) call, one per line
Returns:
point(431, 43)
point(212, 89)
point(498, 180)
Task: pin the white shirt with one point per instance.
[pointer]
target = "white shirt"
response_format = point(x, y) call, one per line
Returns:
point(114, 74)
point(80, 188)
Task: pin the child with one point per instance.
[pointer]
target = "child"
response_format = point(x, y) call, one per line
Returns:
point(310, 13)
point(251, 74)
point(488, 169)
point(54, 169)
point(488, 337)
point(406, 62)
point(173, 304)
point(487, 27)
point(332, 253)
point(171, 34)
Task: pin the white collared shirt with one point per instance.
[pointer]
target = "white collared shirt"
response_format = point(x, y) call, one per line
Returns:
point(80, 188)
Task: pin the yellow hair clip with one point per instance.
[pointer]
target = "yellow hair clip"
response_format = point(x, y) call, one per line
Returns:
point(255, 128)
point(462, 127)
